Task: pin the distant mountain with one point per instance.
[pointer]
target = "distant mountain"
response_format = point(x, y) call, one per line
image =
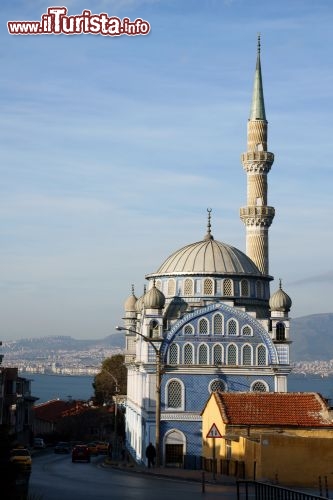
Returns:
point(64, 343)
point(312, 337)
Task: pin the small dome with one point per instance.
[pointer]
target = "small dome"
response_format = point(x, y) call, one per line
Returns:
point(280, 301)
point(154, 298)
point(130, 303)
point(139, 302)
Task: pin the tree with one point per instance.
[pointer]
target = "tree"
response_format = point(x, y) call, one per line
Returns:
point(111, 380)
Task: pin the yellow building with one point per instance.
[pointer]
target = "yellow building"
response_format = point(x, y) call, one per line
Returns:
point(279, 437)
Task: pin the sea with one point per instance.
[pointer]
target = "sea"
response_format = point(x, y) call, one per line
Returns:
point(47, 387)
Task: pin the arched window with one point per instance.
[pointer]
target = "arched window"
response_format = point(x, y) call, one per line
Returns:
point(247, 331)
point(218, 324)
point(217, 354)
point(261, 355)
point(259, 290)
point(203, 326)
point(188, 354)
point(244, 288)
point(280, 332)
point(217, 386)
point(158, 284)
point(247, 355)
point(208, 288)
point(174, 394)
point(259, 386)
point(173, 354)
point(154, 329)
point(188, 330)
point(171, 287)
point(232, 355)
point(232, 327)
point(227, 288)
point(203, 354)
point(188, 287)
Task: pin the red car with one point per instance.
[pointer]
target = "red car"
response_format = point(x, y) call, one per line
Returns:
point(80, 453)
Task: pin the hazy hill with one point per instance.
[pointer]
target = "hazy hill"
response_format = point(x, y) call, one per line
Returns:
point(64, 343)
point(312, 337)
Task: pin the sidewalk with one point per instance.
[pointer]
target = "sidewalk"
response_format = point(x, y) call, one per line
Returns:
point(170, 472)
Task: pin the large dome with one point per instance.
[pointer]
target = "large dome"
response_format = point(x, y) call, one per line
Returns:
point(208, 257)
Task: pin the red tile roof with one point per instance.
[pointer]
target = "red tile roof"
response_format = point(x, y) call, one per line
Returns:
point(52, 411)
point(306, 409)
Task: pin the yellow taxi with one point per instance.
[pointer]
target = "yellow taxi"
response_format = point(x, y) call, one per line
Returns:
point(93, 449)
point(22, 457)
point(102, 447)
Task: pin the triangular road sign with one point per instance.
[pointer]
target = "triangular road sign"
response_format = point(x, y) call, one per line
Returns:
point(214, 432)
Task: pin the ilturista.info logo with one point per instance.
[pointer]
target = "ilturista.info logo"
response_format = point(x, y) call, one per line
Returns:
point(57, 22)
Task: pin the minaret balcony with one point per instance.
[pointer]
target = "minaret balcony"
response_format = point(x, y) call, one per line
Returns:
point(257, 215)
point(257, 161)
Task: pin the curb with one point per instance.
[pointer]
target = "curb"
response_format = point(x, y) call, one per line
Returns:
point(124, 467)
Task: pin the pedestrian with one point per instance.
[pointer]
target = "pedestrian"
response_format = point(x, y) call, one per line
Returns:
point(110, 450)
point(150, 454)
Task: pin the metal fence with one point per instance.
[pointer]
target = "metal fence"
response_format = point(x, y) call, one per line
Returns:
point(247, 490)
point(225, 467)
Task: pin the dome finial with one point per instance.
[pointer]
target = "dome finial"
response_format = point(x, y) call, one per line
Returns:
point(280, 283)
point(209, 235)
point(132, 289)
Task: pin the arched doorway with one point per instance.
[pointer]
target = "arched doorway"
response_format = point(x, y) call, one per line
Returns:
point(174, 448)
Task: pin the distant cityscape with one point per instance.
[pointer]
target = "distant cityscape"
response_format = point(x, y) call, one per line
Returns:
point(57, 356)
point(321, 368)
point(66, 356)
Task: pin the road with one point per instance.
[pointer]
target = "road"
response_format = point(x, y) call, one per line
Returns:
point(55, 477)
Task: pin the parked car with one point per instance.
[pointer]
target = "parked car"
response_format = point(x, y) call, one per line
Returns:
point(93, 448)
point(81, 453)
point(74, 443)
point(102, 447)
point(22, 457)
point(62, 447)
point(39, 443)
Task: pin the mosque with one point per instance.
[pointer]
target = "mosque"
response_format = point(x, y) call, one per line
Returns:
point(207, 322)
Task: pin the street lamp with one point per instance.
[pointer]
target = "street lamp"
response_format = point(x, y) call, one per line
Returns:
point(157, 388)
point(115, 437)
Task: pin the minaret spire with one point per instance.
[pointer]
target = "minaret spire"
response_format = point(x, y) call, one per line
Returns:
point(258, 104)
point(257, 162)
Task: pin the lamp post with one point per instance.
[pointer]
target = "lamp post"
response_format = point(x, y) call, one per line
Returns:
point(115, 438)
point(157, 389)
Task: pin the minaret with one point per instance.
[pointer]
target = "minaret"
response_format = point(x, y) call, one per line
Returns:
point(257, 161)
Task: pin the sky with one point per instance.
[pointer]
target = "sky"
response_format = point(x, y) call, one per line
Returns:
point(113, 148)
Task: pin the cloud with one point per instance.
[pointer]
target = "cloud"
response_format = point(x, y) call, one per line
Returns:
point(320, 278)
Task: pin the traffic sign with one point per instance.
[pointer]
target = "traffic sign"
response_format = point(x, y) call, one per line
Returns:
point(214, 432)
